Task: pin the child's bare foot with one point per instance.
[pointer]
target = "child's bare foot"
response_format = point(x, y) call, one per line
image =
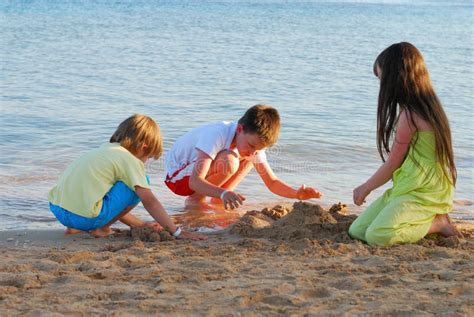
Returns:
point(72, 231)
point(195, 202)
point(102, 232)
point(215, 201)
point(442, 224)
point(453, 226)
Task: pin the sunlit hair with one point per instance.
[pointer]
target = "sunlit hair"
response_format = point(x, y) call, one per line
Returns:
point(139, 130)
point(405, 83)
point(264, 121)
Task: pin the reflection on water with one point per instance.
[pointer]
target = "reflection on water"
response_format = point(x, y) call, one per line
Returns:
point(207, 218)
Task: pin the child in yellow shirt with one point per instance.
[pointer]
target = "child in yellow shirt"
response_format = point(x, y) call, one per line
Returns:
point(104, 185)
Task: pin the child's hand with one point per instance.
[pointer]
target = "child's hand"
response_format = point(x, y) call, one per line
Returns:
point(191, 236)
point(154, 225)
point(231, 199)
point(360, 193)
point(304, 193)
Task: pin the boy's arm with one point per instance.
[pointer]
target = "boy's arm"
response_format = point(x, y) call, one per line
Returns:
point(200, 185)
point(198, 182)
point(155, 208)
point(280, 188)
point(158, 212)
point(399, 149)
point(132, 221)
point(135, 222)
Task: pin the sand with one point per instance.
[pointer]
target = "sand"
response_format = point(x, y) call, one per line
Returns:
point(285, 260)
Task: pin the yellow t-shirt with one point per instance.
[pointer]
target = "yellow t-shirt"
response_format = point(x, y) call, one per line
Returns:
point(85, 182)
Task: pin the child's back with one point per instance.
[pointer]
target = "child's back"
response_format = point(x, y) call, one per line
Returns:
point(86, 181)
point(210, 138)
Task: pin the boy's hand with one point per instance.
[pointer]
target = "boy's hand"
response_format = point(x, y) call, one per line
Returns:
point(304, 193)
point(232, 200)
point(154, 225)
point(191, 236)
point(359, 194)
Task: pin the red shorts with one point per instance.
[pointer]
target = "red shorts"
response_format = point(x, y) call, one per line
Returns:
point(179, 181)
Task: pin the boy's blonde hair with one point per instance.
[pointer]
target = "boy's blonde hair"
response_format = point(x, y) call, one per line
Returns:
point(264, 121)
point(139, 130)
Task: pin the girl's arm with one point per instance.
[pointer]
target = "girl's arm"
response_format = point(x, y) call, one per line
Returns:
point(158, 212)
point(280, 188)
point(395, 159)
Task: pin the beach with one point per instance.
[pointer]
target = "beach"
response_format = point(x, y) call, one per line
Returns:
point(282, 260)
point(73, 70)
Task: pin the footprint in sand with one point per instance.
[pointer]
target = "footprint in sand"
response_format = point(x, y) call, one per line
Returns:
point(348, 284)
point(319, 292)
point(384, 282)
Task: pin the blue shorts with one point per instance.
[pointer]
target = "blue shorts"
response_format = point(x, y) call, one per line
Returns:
point(114, 202)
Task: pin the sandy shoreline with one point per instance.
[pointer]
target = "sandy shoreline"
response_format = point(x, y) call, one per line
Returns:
point(301, 264)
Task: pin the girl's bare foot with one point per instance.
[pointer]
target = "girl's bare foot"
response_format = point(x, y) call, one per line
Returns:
point(442, 224)
point(457, 232)
point(72, 231)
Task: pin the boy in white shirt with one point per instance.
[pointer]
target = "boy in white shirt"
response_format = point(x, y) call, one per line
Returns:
point(211, 160)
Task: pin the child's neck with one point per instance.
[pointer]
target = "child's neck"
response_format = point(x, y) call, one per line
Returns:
point(233, 144)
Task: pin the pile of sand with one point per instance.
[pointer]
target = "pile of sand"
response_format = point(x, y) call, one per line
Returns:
point(310, 221)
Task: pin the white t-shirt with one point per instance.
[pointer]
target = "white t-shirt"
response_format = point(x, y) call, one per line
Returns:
point(211, 139)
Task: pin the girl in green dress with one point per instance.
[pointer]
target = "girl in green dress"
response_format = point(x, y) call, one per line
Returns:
point(420, 161)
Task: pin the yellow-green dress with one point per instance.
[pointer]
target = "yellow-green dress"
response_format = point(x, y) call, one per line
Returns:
point(405, 212)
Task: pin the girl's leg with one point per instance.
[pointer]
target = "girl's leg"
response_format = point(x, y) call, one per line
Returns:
point(401, 221)
point(358, 228)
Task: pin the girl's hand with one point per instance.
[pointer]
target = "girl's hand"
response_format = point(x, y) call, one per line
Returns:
point(186, 235)
point(232, 200)
point(360, 193)
point(304, 193)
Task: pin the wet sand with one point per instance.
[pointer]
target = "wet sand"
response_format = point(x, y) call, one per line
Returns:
point(277, 261)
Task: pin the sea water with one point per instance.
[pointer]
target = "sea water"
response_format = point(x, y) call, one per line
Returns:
point(71, 71)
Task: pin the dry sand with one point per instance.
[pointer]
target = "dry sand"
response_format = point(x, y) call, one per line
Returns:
point(279, 261)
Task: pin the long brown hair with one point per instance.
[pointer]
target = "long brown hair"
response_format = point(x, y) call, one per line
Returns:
point(405, 83)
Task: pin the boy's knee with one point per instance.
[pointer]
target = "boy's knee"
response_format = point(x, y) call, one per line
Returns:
point(227, 163)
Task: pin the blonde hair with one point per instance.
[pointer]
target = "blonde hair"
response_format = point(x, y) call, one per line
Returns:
point(264, 121)
point(139, 130)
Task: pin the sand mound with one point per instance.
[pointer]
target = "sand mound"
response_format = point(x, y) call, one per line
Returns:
point(304, 220)
point(150, 235)
point(310, 221)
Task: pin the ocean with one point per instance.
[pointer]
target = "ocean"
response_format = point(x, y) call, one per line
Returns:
point(71, 71)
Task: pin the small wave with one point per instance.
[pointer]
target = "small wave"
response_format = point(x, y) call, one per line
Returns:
point(463, 202)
